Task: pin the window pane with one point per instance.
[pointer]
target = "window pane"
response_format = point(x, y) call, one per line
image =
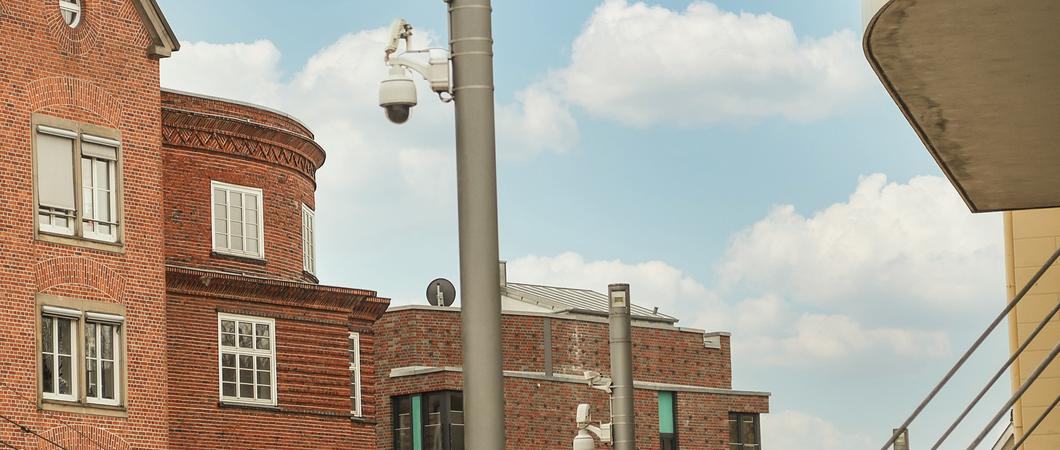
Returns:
point(102, 175)
point(47, 374)
point(246, 335)
point(220, 226)
point(251, 203)
point(219, 211)
point(237, 199)
point(90, 340)
point(456, 436)
point(734, 429)
point(264, 363)
point(264, 378)
point(228, 389)
point(65, 339)
point(106, 336)
point(237, 241)
point(108, 380)
point(246, 362)
point(66, 375)
point(264, 393)
point(246, 391)
point(750, 431)
point(228, 360)
point(263, 343)
point(237, 214)
point(91, 375)
point(228, 374)
point(221, 240)
point(219, 196)
point(261, 329)
point(252, 246)
point(228, 326)
point(228, 339)
point(47, 338)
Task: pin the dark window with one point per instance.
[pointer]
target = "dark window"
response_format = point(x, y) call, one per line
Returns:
point(667, 421)
point(431, 421)
point(744, 432)
point(403, 423)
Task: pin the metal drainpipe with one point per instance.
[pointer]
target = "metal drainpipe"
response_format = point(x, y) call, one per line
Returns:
point(621, 367)
point(471, 50)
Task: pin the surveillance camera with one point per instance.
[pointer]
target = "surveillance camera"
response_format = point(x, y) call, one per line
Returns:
point(584, 441)
point(397, 95)
point(584, 415)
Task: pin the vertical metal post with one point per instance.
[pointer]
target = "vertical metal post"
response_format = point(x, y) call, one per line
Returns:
point(471, 50)
point(621, 367)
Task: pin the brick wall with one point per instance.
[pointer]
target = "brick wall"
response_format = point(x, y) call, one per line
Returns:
point(313, 380)
point(540, 410)
point(98, 74)
point(243, 147)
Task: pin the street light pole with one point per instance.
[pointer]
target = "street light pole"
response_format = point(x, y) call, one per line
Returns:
point(471, 50)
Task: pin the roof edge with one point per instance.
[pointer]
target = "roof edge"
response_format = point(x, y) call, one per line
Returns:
point(163, 41)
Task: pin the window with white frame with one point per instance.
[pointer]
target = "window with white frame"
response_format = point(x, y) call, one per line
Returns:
point(71, 11)
point(59, 380)
point(309, 257)
point(90, 212)
point(81, 356)
point(237, 220)
point(355, 374)
point(102, 359)
point(247, 361)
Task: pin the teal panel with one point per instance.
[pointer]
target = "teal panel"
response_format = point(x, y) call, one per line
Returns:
point(666, 412)
point(417, 425)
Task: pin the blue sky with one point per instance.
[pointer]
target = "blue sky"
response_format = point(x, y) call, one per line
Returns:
point(770, 186)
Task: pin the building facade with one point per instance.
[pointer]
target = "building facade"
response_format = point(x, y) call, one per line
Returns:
point(551, 337)
point(158, 286)
point(1032, 236)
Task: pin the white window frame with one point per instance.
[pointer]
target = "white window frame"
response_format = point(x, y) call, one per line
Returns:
point(309, 237)
point(355, 369)
point(259, 195)
point(76, 217)
point(73, 7)
point(117, 322)
point(74, 316)
point(271, 353)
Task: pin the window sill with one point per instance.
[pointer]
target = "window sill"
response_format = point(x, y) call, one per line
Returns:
point(83, 408)
point(362, 419)
point(237, 257)
point(262, 406)
point(113, 247)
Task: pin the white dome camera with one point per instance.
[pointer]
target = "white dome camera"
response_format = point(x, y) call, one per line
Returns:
point(397, 94)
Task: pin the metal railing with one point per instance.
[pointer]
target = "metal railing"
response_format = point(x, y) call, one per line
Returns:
point(968, 353)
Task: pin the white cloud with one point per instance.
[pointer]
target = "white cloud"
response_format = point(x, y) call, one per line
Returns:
point(890, 245)
point(643, 65)
point(652, 283)
point(795, 430)
point(246, 71)
point(537, 121)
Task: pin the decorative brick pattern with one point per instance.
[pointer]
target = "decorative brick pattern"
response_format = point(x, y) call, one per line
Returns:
point(82, 271)
point(48, 92)
point(80, 436)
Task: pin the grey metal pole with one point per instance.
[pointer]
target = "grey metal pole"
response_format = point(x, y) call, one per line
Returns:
point(621, 368)
point(471, 50)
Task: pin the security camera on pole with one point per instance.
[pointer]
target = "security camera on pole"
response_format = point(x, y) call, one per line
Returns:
point(621, 340)
point(471, 53)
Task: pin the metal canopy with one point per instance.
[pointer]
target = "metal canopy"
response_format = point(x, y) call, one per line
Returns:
point(979, 81)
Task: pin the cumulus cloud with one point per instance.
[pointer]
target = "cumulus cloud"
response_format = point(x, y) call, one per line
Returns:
point(652, 283)
point(247, 71)
point(801, 291)
point(537, 121)
point(795, 430)
point(890, 244)
point(642, 64)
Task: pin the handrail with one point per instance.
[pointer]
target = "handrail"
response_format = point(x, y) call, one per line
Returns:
point(1016, 395)
point(998, 374)
point(975, 346)
point(1041, 418)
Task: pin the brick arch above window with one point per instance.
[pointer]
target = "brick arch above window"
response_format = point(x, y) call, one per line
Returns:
point(49, 92)
point(73, 40)
point(82, 271)
point(81, 436)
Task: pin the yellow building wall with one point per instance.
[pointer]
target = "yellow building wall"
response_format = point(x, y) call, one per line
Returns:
point(1030, 238)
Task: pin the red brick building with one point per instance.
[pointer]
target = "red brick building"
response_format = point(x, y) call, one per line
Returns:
point(551, 337)
point(158, 285)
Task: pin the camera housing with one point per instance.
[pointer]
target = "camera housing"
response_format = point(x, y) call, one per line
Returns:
point(397, 94)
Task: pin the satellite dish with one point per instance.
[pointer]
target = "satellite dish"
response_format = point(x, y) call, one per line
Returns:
point(441, 292)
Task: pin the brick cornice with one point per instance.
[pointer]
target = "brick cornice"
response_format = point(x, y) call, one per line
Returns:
point(358, 303)
point(242, 138)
